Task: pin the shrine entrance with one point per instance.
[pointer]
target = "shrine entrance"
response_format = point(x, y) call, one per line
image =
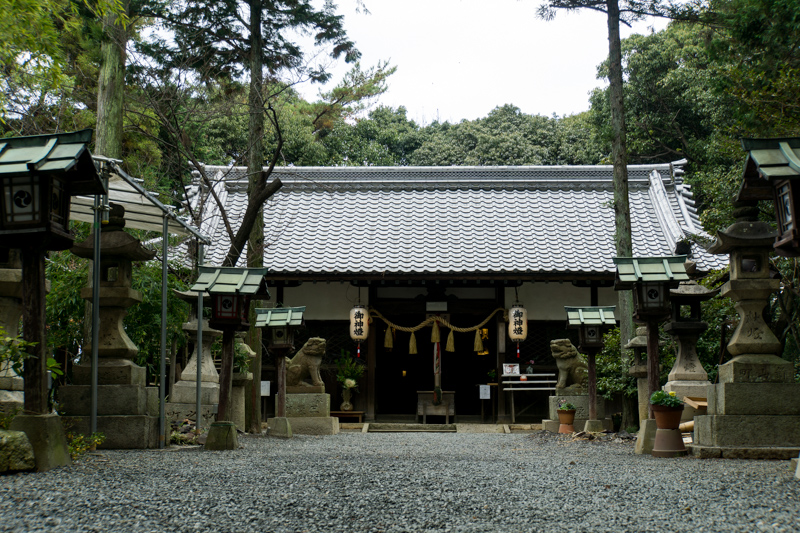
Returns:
point(400, 375)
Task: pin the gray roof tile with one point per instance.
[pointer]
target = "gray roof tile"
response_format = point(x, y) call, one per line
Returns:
point(455, 220)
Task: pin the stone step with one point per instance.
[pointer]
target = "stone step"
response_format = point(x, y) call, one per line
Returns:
point(402, 428)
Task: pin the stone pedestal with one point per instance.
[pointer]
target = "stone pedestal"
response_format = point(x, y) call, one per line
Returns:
point(238, 399)
point(646, 437)
point(46, 435)
point(182, 402)
point(309, 414)
point(581, 403)
point(12, 397)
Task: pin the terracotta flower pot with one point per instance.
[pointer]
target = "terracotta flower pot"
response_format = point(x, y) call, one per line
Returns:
point(667, 417)
point(668, 441)
point(566, 418)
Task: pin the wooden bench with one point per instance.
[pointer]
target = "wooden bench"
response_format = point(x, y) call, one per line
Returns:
point(446, 409)
point(512, 384)
point(349, 414)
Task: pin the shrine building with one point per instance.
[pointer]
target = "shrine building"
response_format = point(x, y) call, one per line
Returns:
point(460, 242)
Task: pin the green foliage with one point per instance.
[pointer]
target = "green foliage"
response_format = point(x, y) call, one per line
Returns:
point(667, 399)
point(68, 275)
point(7, 417)
point(13, 351)
point(143, 321)
point(566, 406)
point(348, 370)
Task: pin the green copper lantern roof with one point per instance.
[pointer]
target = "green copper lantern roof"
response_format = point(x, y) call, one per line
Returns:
point(768, 159)
point(669, 269)
point(232, 280)
point(591, 316)
point(66, 154)
point(280, 316)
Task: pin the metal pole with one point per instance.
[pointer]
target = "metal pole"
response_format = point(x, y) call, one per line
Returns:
point(162, 389)
point(96, 307)
point(199, 343)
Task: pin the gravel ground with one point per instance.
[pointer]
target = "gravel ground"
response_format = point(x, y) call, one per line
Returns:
point(403, 482)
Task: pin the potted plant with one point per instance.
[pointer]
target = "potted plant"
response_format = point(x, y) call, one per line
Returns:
point(667, 410)
point(349, 371)
point(566, 417)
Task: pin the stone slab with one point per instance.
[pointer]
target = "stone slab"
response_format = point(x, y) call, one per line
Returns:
point(308, 405)
point(222, 436)
point(754, 399)
point(306, 425)
point(754, 368)
point(761, 453)
point(111, 372)
point(46, 435)
point(186, 392)
point(646, 437)
point(279, 427)
point(305, 389)
point(581, 403)
point(16, 452)
point(178, 412)
point(76, 400)
point(10, 401)
point(747, 431)
point(594, 426)
point(12, 383)
point(123, 432)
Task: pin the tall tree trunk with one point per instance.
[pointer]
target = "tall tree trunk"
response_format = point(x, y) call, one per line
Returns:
point(255, 165)
point(111, 88)
point(619, 150)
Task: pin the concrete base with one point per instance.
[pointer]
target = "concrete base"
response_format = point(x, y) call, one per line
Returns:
point(122, 432)
point(756, 368)
point(308, 425)
point(222, 436)
point(579, 425)
point(594, 426)
point(111, 372)
point(747, 431)
point(308, 405)
point(46, 435)
point(76, 400)
point(178, 412)
point(735, 452)
point(754, 399)
point(646, 437)
point(279, 427)
point(305, 389)
point(186, 392)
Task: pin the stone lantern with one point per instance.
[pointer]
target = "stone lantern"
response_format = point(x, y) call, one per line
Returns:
point(38, 175)
point(281, 324)
point(651, 279)
point(127, 408)
point(590, 322)
point(687, 378)
point(754, 409)
point(183, 396)
point(231, 290)
point(772, 172)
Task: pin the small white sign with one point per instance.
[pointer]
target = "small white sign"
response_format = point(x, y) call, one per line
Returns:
point(485, 392)
point(265, 388)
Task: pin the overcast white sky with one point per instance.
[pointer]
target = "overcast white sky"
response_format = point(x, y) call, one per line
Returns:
point(459, 59)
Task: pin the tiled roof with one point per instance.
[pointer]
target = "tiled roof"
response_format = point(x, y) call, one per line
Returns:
point(591, 316)
point(406, 221)
point(231, 280)
point(279, 316)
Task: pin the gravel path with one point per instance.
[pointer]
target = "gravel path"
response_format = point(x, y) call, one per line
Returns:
point(403, 482)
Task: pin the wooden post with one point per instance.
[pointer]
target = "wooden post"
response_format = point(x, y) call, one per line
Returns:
point(226, 375)
point(280, 398)
point(33, 330)
point(591, 355)
point(652, 361)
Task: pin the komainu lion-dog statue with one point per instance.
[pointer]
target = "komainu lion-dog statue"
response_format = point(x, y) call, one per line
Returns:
point(572, 370)
point(306, 363)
